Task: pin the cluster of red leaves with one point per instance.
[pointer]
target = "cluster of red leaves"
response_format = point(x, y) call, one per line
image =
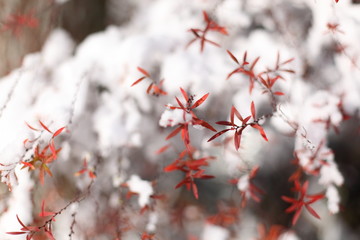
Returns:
point(303, 200)
point(225, 217)
point(192, 169)
point(248, 71)
point(244, 68)
point(86, 169)
point(30, 231)
point(42, 157)
point(153, 88)
point(188, 108)
point(186, 162)
point(16, 22)
point(200, 34)
point(252, 190)
point(240, 128)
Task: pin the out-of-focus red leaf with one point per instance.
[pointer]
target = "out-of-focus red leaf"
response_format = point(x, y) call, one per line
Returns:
point(195, 190)
point(143, 72)
point(253, 111)
point(162, 149)
point(28, 165)
point(32, 128)
point(254, 63)
point(137, 81)
point(312, 211)
point(149, 88)
point(44, 126)
point(16, 233)
point(52, 149)
point(58, 131)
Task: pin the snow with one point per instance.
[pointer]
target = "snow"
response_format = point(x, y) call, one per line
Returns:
point(289, 235)
point(142, 187)
point(171, 118)
point(213, 232)
point(330, 174)
point(243, 183)
point(333, 197)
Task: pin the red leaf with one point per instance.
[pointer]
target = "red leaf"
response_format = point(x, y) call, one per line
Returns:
point(312, 211)
point(32, 128)
point(253, 172)
point(151, 85)
point(197, 121)
point(315, 198)
point(279, 93)
point(287, 61)
point(206, 17)
point(173, 133)
point(137, 81)
point(171, 167)
point(184, 94)
point(185, 181)
point(246, 119)
point(45, 127)
point(233, 72)
point(233, 57)
point(92, 175)
point(21, 223)
point(143, 72)
point(237, 139)
point(58, 131)
point(218, 134)
point(185, 135)
point(28, 165)
point(254, 63)
point(244, 58)
point(261, 130)
point(253, 109)
point(16, 233)
point(225, 123)
point(296, 216)
point(195, 190)
point(289, 200)
point(234, 111)
point(180, 104)
point(52, 149)
point(162, 149)
point(200, 101)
